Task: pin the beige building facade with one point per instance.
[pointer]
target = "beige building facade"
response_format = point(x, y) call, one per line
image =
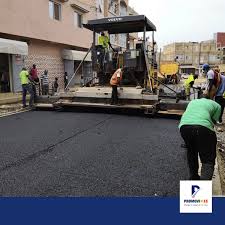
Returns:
point(46, 34)
point(191, 55)
point(52, 35)
point(115, 8)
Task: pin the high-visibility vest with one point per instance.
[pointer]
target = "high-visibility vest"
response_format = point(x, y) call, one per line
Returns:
point(189, 80)
point(103, 41)
point(116, 77)
point(24, 77)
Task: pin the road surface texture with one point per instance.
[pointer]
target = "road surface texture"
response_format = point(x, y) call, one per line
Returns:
point(87, 154)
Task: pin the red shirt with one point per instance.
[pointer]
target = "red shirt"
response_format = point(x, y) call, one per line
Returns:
point(33, 73)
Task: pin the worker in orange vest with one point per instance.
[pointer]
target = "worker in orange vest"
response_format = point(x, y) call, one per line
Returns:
point(114, 82)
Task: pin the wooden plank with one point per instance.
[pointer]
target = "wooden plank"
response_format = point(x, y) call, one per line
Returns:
point(43, 105)
point(171, 112)
point(101, 105)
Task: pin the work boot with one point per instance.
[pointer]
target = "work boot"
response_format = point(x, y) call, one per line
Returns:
point(207, 171)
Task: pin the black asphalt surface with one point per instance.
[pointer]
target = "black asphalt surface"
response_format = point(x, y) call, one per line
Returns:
point(88, 154)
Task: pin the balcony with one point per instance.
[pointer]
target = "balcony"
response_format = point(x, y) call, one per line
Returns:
point(80, 7)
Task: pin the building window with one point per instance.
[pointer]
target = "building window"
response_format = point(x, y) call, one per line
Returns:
point(78, 20)
point(54, 10)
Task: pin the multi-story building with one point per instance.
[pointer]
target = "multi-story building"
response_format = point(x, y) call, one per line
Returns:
point(220, 43)
point(117, 8)
point(191, 55)
point(48, 33)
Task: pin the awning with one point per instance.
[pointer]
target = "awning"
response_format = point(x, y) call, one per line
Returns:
point(121, 24)
point(13, 47)
point(75, 55)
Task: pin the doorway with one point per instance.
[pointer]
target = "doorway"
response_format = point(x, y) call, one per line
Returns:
point(4, 73)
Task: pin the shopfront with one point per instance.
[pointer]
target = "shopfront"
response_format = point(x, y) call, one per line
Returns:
point(11, 62)
point(72, 60)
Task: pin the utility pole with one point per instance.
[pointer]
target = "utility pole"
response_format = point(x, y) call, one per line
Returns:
point(199, 59)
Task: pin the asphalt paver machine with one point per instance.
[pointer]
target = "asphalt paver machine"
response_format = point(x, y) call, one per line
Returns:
point(139, 88)
point(137, 63)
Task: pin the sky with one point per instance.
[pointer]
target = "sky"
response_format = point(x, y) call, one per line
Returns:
point(183, 20)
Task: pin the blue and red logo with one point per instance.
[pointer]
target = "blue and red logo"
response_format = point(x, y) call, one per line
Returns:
point(195, 189)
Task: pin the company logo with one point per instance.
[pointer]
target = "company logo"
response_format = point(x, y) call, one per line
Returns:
point(115, 19)
point(195, 189)
point(196, 196)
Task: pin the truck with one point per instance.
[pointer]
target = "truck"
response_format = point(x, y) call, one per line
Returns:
point(170, 72)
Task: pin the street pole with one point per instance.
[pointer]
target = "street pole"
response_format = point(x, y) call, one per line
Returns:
point(199, 59)
point(75, 73)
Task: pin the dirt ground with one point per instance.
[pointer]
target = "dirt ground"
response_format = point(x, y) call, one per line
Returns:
point(221, 155)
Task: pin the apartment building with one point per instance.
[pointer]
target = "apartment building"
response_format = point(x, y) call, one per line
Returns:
point(48, 33)
point(220, 43)
point(191, 55)
point(117, 8)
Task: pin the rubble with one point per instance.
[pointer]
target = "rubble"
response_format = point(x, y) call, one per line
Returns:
point(221, 155)
point(10, 108)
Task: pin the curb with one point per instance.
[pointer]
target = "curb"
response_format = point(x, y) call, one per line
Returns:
point(14, 113)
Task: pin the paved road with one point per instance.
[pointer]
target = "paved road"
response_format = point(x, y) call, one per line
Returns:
point(87, 154)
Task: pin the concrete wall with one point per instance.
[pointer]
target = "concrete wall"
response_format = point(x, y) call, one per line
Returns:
point(192, 53)
point(30, 18)
point(47, 56)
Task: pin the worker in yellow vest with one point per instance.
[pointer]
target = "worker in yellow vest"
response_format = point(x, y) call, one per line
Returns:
point(104, 41)
point(114, 82)
point(26, 87)
point(189, 84)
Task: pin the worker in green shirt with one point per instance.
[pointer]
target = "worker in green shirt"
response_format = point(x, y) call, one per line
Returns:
point(197, 130)
point(26, 87)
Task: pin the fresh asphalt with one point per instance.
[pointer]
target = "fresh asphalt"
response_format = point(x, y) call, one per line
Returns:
point(90, 154)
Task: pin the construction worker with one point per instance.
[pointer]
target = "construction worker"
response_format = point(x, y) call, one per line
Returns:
point(103, 40)
point(114, 82)
point(189, 84)
point(26, 87)
point(197, 130)
point(214, 80)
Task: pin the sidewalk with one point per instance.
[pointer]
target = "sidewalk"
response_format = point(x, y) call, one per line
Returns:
point(10, 98)
point(10, 103)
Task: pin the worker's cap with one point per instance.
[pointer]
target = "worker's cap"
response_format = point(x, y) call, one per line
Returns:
point(206, 67)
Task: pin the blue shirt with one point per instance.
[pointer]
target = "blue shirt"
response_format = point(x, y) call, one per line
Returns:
point(221, 88)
